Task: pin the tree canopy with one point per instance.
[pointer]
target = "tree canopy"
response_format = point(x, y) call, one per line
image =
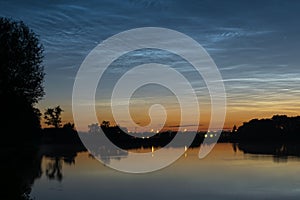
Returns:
point(278, 128)
point(21, 69)
point(21, 78)
point(52, 116)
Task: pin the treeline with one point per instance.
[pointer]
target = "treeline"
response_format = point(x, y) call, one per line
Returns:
point(277, 128)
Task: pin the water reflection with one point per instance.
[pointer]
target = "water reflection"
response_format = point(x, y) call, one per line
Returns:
point(54, 168)
point(281, 152)
point(57, 155)
point(21, 166)
point(101, 149)
point(224, 174)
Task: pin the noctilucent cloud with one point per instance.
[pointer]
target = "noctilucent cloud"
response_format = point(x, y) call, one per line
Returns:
point(255, 45)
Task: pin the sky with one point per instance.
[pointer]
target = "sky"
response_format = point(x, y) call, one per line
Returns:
point(255, 45)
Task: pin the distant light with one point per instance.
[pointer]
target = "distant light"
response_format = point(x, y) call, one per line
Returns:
point(143, 137)
point(185, 130)
point(151, 130)
point(205, 135)
point(157, 131)
point(211, 135)
point(152, 149)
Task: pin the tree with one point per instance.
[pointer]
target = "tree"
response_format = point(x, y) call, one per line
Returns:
point(21, 69)
point(105, 124)
point(52, 116)
point(21, 79)
point(69, 125)
point(94, 128)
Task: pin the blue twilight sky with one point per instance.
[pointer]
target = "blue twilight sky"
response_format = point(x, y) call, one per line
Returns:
point(255, 44)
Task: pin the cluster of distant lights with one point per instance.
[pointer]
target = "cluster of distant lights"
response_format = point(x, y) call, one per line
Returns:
point(152, 131)
point(209, 133)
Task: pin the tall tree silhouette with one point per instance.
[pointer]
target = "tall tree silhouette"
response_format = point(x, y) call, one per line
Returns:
point(21, 56)
point(21, 76)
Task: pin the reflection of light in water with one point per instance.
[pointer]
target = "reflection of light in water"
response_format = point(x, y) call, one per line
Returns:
point(139, 158)
point(185, 154)
point(152, 150)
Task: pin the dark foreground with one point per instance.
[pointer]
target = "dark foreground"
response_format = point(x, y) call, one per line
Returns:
point(22, 163)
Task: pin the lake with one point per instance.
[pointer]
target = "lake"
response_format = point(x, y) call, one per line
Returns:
point(227, 173)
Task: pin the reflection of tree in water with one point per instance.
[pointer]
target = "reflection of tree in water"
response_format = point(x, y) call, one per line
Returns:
point(106, 154)
point(57, 155)
point(280, 151)
point(102, 148)
point(21, 165)
point(19, 168)
point(54, 168)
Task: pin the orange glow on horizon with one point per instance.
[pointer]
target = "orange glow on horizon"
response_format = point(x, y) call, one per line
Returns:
point(232, 118)
point(235, 115)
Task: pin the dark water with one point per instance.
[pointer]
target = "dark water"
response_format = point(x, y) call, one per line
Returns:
point(227, 172)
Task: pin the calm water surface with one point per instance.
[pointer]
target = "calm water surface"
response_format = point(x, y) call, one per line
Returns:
point(225, 173)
